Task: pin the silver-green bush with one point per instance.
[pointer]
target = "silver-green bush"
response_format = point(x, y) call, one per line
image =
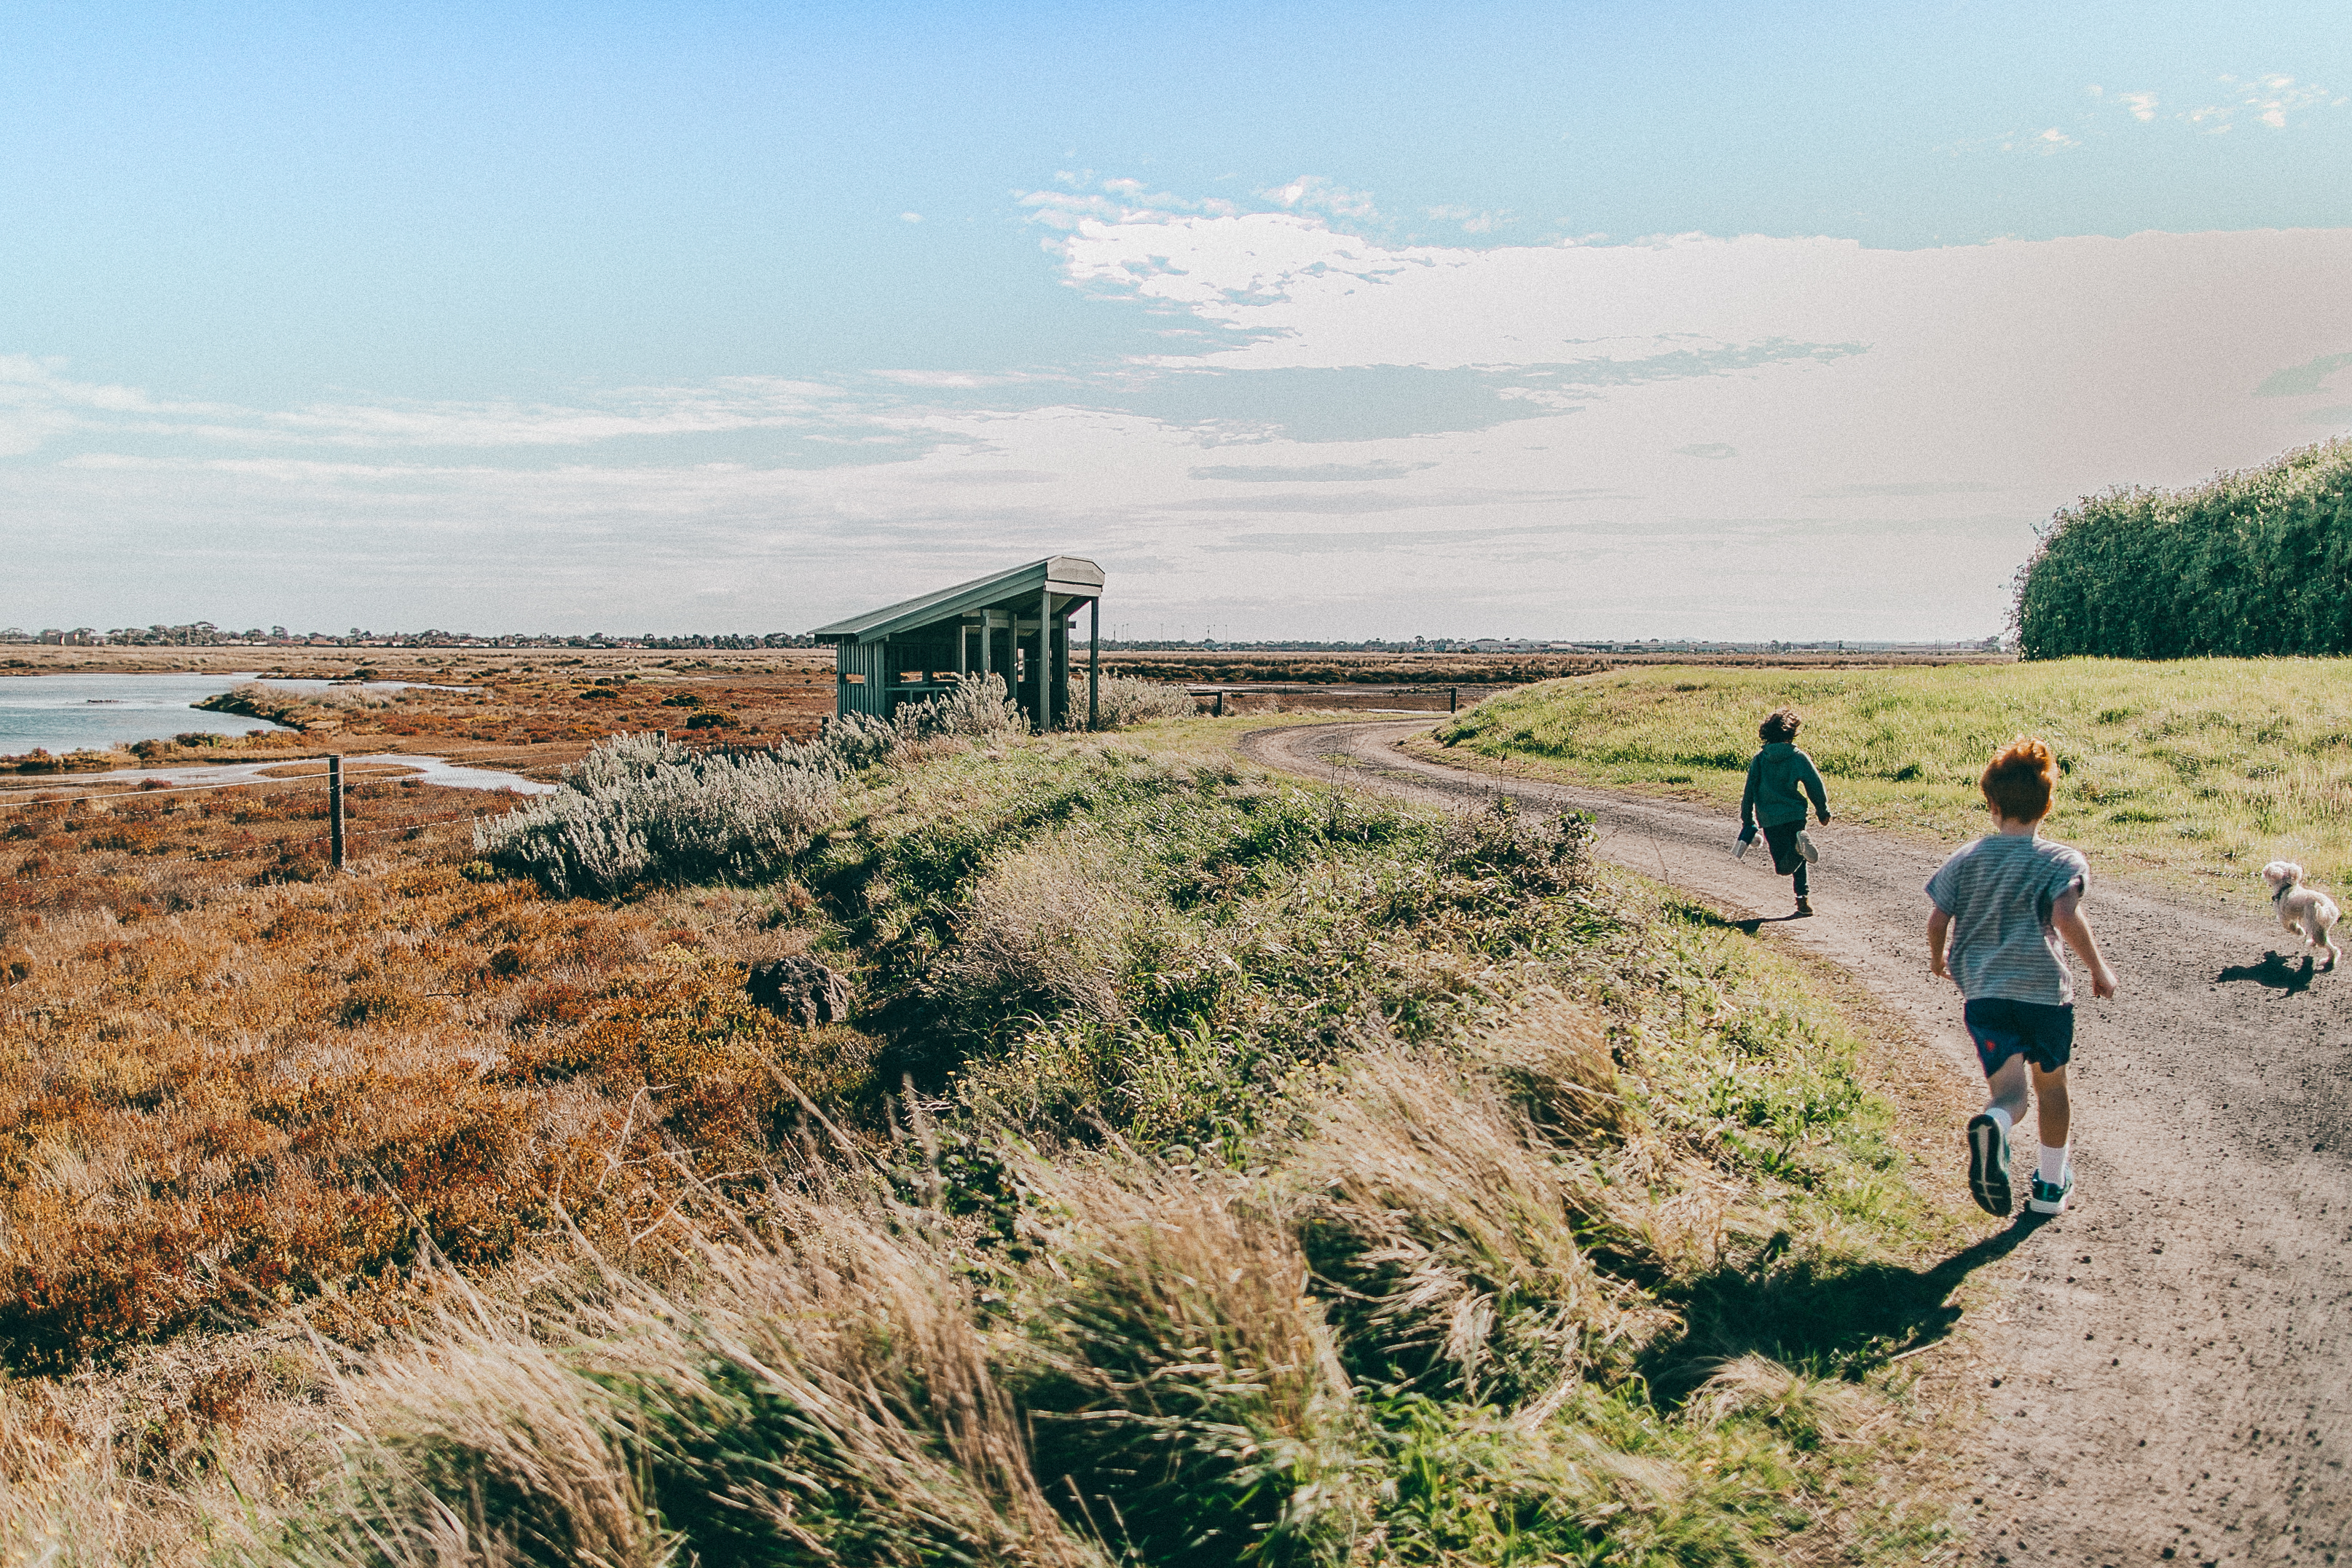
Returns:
point(639, 809)
point(1123, 700)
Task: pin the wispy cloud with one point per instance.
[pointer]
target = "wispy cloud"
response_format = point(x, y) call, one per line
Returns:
point(2273, 100)
point(1904, 488)
point(40, 405)
point(1471, 220)
point(2306, 380)
point(1314, 194)
point(2268, 100)
point(1313, 473)
point(2141, 106)
point(1411, 415)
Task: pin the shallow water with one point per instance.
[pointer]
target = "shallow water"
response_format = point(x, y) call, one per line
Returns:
point(207, 775)
point(58, 713)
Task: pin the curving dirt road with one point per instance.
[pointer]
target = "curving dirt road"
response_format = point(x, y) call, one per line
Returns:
point(2177, 1376)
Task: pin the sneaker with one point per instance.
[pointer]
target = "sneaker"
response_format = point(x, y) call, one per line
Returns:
point(1988, 1165)
point(2052, 1197)
point(1807, 848)
point(1804, 908)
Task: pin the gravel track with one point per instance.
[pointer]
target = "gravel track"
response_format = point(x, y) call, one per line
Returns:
point(2175, 1359)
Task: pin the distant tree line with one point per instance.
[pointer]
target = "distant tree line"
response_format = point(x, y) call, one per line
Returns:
point(2251, 563)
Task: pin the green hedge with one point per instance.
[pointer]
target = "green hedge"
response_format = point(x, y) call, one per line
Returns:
point(2252, 563)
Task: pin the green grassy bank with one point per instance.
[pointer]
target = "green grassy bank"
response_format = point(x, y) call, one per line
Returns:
point(1212, 1170)
point(2193, 773)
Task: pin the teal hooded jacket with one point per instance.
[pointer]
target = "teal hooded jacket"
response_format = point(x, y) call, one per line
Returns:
point(1780, 777)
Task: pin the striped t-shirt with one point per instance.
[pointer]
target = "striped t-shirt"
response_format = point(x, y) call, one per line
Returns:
point(2000, 891)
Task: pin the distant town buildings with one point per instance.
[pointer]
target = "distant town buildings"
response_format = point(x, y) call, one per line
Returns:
point(204, 635)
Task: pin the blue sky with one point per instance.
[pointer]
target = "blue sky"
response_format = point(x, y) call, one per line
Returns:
point(1316, 320)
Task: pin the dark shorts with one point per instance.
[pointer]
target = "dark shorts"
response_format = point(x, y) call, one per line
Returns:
point(1782, 838)
point(2042, 1034)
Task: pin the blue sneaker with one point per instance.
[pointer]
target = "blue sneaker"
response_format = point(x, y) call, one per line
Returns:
point(2052, 1197)
point(1988, 1165)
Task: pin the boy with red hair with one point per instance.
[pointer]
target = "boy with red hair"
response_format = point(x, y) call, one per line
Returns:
point(2005, 901)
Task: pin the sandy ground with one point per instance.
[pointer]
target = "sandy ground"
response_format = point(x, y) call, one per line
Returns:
point(2171, 1364)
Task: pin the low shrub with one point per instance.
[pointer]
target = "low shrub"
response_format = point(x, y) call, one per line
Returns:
point(639, 809)
point(1123, 701)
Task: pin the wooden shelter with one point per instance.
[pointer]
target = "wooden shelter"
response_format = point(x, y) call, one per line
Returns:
point(1015, 624)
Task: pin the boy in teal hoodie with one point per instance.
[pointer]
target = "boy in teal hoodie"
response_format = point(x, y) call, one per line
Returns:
point(1780, 777)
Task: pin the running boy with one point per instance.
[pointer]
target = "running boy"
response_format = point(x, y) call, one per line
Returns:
point(1780, 777)
point(2005, 901)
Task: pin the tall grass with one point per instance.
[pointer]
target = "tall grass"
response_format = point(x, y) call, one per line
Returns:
point(2196, 772)
point(1283, 1181)
point(2253, 563)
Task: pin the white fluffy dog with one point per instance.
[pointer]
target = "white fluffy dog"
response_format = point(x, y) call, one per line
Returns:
point(2303, 910)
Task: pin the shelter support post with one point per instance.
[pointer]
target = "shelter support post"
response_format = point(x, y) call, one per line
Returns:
point(987, 633)
point(1064, 661)
point(1094, 663)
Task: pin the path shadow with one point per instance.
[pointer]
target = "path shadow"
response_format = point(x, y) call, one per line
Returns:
point(1804, 1315)
point(1698, 915)
point(2274, 973)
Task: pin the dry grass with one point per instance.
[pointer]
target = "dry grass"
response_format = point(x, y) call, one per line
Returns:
point(283, 1096)
point(405, 1217)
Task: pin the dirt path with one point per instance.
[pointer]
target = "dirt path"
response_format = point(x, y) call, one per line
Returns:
point(2177, 1376)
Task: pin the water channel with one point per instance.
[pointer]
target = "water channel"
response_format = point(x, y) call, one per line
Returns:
point(58, 714)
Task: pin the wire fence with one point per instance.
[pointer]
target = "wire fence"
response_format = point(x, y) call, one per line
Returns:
point(283, 847)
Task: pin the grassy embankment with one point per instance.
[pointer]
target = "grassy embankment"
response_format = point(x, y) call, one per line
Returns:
point(1286, 1181)
point(2192, 773)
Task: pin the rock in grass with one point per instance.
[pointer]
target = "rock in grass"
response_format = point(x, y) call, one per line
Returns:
point(800, 991)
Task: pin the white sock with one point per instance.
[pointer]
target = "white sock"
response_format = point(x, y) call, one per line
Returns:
point(2053, 1164)
point(1999, 1117)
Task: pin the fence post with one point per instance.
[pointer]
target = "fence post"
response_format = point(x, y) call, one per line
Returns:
point(335, 806)
point(1221, 706)
point(1454, 699)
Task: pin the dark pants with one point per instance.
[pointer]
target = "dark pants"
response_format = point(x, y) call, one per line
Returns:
point(1786, 860)
point(2041, 1032)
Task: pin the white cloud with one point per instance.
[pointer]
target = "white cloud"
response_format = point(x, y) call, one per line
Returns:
point(1472, 220)
point(910, 218)
point(1900, 419)
point(38, 404)
point(2270, 99)
point(1314, 194)
point(2141, 106)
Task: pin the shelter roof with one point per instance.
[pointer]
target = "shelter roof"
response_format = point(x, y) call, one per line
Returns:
point(1016, 589)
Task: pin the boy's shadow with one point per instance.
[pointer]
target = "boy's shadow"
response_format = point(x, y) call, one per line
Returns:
point(1802, 1314)
point(1747, 927)
point(2274, 973)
